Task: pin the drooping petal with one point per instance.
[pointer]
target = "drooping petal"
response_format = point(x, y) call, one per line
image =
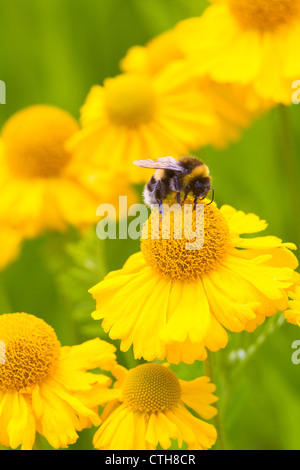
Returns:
point(17, 424)
point(196, 433)
point(198, 395)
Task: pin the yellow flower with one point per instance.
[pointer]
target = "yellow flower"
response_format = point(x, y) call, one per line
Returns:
point(154, 56)
point(132, 117)
point(233, 106)
point(292, 315)
point(45, 387)
point(147, 407)
point(248, 42)
point(185, 298)
point(42, 185)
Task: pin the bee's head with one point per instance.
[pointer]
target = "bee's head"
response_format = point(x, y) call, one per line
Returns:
point(200, 186)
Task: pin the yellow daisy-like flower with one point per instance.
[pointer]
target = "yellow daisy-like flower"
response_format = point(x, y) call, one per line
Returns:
point(133, 116)
point(233, 106)
point(147, 407)
point(154, 56)
point(248, 42)
point(185, 298)
point(44, 387)
point(292, 315)
point(42, 185)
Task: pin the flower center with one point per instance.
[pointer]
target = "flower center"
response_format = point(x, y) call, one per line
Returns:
point(264, 14)
point(30, 351)
point(34, 140)
point(172, 257)
point(129, 100)
point(150, 388)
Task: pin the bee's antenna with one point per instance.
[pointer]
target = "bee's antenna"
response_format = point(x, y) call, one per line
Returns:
point(213, 196)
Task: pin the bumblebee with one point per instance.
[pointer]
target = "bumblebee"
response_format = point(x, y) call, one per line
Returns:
point(187, 174)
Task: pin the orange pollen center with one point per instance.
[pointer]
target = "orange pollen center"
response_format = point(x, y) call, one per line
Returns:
point(129, 100)
point(34, 141)
point(264, 15)
point(151, 388)
point(170, 252)
point(29, 351)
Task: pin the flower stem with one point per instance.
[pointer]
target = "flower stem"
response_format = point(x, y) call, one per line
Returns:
point(209, 368)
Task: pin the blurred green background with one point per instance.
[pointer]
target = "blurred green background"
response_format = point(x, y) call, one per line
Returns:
point(53, 52)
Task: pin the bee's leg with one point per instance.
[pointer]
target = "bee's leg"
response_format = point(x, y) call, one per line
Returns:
point(160, 210)
point(176, 186)
point(185, 196)
point(195, 202)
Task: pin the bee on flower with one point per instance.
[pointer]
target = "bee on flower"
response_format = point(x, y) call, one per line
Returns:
point(187, 299)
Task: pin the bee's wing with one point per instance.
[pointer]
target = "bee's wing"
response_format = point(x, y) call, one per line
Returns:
point(165, 163)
